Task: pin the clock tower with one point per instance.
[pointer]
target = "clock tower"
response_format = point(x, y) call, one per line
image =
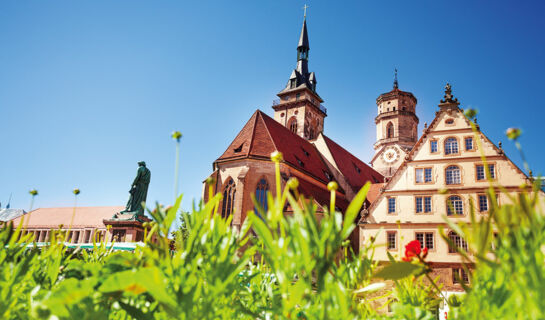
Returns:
point(397, 129)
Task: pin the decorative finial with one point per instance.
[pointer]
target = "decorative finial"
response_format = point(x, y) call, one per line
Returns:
point(305, 11)
point(499, 145)
point(449, 98)
point(425, 125)
point(531, 174)
point(395, 79)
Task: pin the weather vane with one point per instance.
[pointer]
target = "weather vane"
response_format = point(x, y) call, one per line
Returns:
point(305, 8)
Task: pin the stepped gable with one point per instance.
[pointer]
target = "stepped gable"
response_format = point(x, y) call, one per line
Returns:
point(356, 172)
point(262, 135)
point(54, 217)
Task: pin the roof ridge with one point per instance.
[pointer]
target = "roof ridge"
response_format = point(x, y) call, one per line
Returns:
point(261, 113)
point(257, 112)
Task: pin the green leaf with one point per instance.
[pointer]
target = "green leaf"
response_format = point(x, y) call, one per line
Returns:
point(398, 270)
point(353, 209)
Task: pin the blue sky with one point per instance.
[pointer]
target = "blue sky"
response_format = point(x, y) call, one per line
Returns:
point(88, 88)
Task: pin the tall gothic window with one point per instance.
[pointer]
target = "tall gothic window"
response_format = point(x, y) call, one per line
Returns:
point(228, 199)
point(261, 195)
point(451, 146)
point(452, 175)
point(292, 124)
point(390, 130)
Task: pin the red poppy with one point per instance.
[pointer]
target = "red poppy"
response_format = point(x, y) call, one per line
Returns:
point(412, 249)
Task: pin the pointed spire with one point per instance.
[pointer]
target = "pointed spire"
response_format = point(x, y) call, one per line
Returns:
point(395, 79)
point(303, 39)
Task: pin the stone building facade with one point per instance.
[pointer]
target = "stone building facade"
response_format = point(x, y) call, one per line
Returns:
point(439, 177)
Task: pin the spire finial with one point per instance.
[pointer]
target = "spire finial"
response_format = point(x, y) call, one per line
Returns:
point(305, 7)
point(395, 79)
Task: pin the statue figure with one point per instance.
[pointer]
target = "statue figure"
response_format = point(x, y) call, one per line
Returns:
point(139, 191)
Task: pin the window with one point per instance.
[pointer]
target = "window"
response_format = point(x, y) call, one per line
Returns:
point(423, 175)
point(261, 195)
point(391, 240)
point(297, 97)
point(469, 143)
point(458, 242)
point(391, 205)
point(305, 152)
point(119, 235)
point(452, 175)
point(455, 205)
point(425, 239)
point(459, 274)
point(449, 121)
point(394, 109)
point(358, 170)
point(292, 83)
point(228, 199)
point(433, 146)
point(483, 203)
point(292, 124)
point(481, 172)
point(390, 130)
point(451, 146)
point(301, 163)
point(423, 204)
point(239, 149)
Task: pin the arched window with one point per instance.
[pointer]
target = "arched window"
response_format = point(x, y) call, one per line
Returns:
point(452, 175)
point(261, 195)
point(390, 130)
point(292, 124)
point(455, 206)
point(228, 198)
point(457, 241)
point(451, 146)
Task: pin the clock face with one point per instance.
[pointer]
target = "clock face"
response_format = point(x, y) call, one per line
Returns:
point(390, 155)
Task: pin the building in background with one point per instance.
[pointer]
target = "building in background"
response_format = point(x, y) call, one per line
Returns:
point(438, 178)
point(82, 223)
point(297, 130)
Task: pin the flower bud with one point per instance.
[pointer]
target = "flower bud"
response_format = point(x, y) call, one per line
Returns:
point(33, 192)
point(276, 156)
point(470, 113)
point(332, 186)
point(76, 191)
point(293, 183)
point(210, 181)
point(513, 133)
point(176, 135)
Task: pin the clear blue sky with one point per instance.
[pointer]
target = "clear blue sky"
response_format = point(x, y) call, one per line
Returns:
point(88, 88)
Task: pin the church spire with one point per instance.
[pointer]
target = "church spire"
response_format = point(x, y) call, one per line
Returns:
point(302, 49)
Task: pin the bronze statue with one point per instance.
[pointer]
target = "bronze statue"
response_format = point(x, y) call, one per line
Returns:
point(139, 191)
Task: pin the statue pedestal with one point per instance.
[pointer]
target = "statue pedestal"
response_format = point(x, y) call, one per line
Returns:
point(126, 227)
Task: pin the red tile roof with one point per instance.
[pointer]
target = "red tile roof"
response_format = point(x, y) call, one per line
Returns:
point(355, 171)
point(262, 135)
point(320, 195)
point(53, 217)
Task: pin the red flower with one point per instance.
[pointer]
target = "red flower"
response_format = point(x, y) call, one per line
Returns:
point(412, 249)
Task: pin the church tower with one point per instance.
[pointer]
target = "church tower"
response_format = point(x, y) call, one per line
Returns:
point(397, 129)
point(299, 106)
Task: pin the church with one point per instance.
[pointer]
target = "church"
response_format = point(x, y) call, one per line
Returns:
point(415, 180)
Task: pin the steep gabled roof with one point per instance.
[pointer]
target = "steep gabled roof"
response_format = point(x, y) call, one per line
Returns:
point(262, 135)
point(356, 172)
